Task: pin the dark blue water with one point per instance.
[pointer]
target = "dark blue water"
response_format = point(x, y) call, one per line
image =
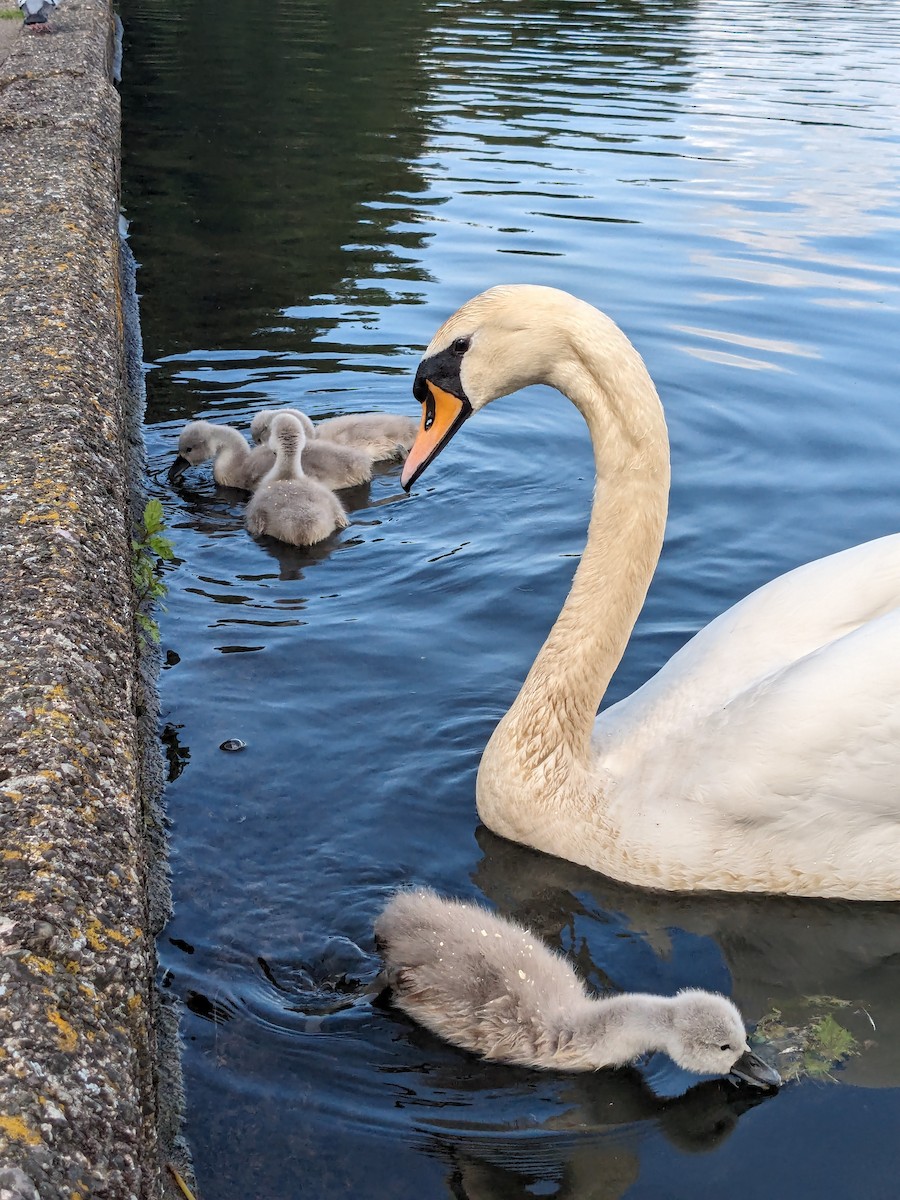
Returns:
point(312, 189)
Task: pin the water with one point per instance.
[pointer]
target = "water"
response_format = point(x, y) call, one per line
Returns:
point(312, 188)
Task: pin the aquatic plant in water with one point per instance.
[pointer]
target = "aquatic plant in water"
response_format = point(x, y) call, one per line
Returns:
point(807, 1048)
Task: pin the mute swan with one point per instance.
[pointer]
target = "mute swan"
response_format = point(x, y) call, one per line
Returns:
point(765, 755)
point(287, 505)
point(235, 464)
point(381, 435)
point(329, 464)
point(487, 984)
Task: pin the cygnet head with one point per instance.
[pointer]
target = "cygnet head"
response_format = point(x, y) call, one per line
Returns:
point(708, 1038)
point(261, 425)
point(196, 443)
point(199, 441)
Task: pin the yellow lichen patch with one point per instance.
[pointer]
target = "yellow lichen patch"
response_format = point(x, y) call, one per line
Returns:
point(92, 934)
point(25, 895)
point(56, 692)
point(73, 967)
point(11, 855)
point(34, 518)
point(45, 774)
point(41, 710)
point(89, 990)
point(15, 1127)
point(68, 1038)
point(34, 962)
point(124, 939)
point(134, 1002)
point(11, 794)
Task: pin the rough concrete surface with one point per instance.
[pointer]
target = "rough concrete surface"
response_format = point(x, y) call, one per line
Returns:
point(79, 1108)
point(9, 33)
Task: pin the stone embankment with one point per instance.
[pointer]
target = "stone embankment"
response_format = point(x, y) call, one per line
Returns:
point(82, 887)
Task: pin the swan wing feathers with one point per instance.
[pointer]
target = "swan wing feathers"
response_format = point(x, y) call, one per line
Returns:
point(753, 645)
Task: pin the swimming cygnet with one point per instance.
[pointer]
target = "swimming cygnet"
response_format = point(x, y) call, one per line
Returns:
point(235, 464)
point(288, 505)
point(332, 465)
point(488, 985)
point(381, 435)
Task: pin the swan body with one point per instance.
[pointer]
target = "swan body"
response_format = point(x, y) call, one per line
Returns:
point(489, 985)
point(287, 505)
point(380, 435)
point(235, 464)
point(765, 756)
point(328, 463)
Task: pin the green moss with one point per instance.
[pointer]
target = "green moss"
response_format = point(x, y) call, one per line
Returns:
point(10, 14)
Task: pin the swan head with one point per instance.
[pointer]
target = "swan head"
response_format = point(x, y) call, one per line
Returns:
point(261, 424)
point(198, 441)
point(498, 342)
point(707, 1037)
point(502, 340)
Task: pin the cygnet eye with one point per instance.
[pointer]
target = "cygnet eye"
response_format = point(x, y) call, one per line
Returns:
point(460, 345)
point(725, 1047)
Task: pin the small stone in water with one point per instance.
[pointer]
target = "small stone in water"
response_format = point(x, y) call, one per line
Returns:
point(233, 744)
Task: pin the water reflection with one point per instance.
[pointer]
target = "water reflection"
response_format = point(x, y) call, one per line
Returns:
point(571, 1155)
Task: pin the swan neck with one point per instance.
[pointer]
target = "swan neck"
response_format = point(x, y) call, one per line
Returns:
point(571, 673)
point(619, 1028)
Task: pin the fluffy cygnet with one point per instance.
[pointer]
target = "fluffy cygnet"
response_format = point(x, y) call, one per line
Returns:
point(380, 435)
point(490, 986)
point(383, 435)
point(288, 505)
point(235, 464)
point(332, 465)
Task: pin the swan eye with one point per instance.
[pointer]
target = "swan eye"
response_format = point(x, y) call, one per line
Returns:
point(461, 345)
point(725, 1047)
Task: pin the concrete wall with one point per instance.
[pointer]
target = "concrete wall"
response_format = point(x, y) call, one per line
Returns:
point(78, 1068)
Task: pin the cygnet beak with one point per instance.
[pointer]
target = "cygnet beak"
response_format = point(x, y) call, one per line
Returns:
point(751, 1069)
point(178, 468)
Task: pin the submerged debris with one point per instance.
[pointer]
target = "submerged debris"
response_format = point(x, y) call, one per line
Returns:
point(806, 1040)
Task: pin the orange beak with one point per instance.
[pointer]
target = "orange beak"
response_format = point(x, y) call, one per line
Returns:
point(442, 415)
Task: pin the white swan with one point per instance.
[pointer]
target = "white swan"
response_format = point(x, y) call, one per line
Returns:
point(287, 505)
point(380, 435)
point(487, 984)
point(765, 756)
point(235, 464)
point(328, 463)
